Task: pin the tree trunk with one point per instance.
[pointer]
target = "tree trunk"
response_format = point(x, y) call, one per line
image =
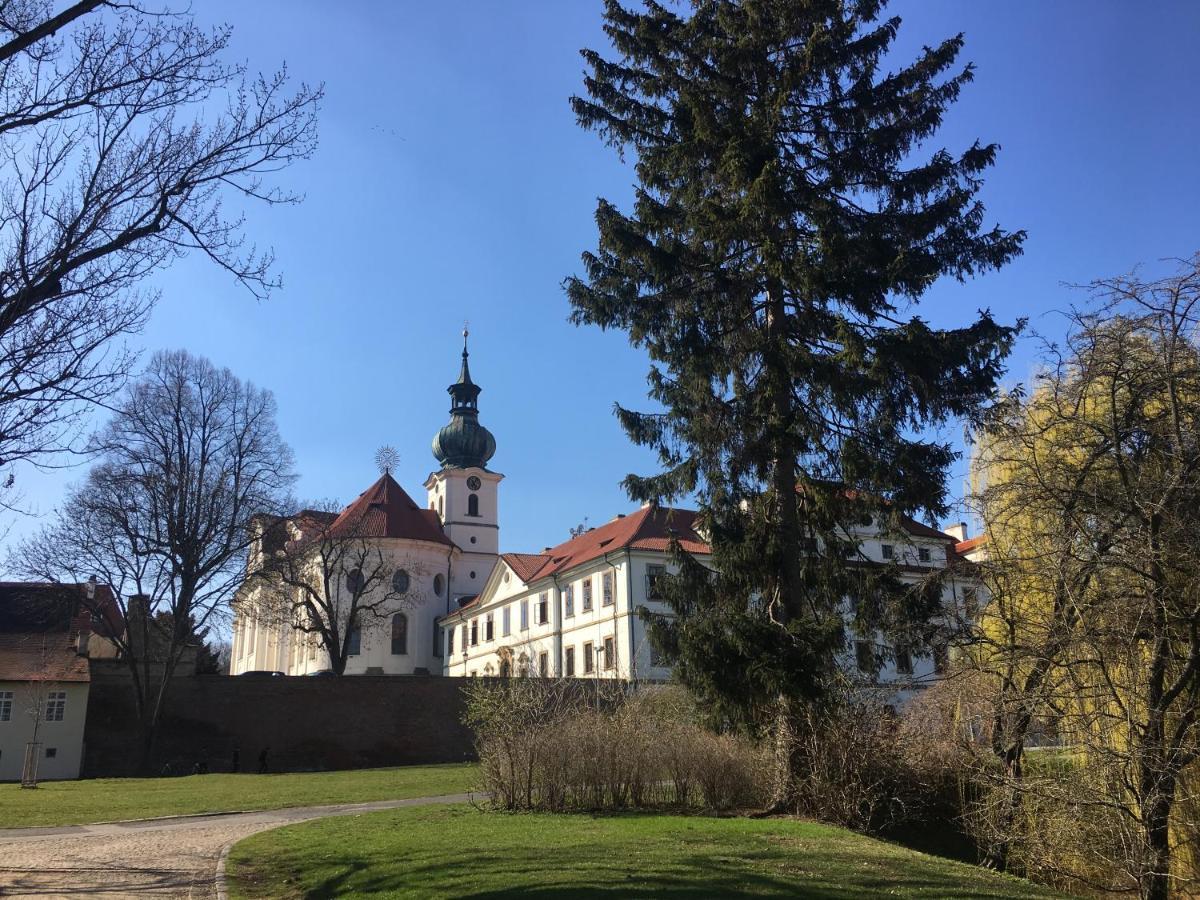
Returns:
point(1156, 882)
point(997, 854)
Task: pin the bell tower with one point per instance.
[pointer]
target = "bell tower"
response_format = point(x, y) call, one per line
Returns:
point(463, 492)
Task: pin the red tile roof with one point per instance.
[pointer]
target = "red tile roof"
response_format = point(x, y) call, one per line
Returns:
point(650, 528)
point(970, 544)
point(525, 565)
point(41, 657)
point(385, 510)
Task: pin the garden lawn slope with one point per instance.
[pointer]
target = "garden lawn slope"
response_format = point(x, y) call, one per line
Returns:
point(117, 799)
point(461, 852)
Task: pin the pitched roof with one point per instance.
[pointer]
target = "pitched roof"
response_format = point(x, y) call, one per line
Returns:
point(970, 544)
point(920, 529)
point(650, 528)
point(385, 510)
point(47, 656)
point(525, 565)
point(28, 607)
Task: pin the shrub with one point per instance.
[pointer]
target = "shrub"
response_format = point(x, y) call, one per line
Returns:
point(557, 746)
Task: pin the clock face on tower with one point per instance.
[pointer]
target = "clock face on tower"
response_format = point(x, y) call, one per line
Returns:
point(473, 482)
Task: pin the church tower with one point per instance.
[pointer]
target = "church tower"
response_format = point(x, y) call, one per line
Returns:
point(463, 492)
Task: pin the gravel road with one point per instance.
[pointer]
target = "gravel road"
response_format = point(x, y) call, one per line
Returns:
point(157, 858)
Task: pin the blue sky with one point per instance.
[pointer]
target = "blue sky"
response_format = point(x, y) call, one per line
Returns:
point(452, 183)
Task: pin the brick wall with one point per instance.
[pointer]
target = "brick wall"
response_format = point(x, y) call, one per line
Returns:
point(308, 723)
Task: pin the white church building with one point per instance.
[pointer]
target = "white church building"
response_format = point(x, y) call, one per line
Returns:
point(571, 610)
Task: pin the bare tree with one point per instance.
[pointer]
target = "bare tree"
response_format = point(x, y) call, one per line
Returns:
point(1093, 506)
point(326, 577)
point(125, 142)
point(191, 455)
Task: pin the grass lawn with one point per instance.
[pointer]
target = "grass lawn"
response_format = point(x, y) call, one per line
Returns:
point(113, 799)
point(458, 851)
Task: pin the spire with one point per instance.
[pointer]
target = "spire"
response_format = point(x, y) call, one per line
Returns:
point(464, 392)
point(464, 443)
point(464, 374)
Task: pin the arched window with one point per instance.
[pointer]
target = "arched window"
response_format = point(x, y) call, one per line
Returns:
point(400, 581)
point(439, 584)
point(473, 505)
point(399, 634)
point(354, 581)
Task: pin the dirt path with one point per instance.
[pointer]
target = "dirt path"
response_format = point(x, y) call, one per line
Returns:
point(158, 858)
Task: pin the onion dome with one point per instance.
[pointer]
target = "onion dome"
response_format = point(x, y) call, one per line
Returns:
point(463, 443)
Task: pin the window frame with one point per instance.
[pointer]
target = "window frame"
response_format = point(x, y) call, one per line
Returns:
point(653, 573)
point(864, 655)
point(569, 662)
point(544, 664)
point(589, 657)
point(401, 576)
point(56, 706)
point(610, 653)
point(543, 608)
point(568, 595)
point(607, 592)
point(524, 613)
point(400, 618)
point(585, 601)
point(6, 705)
point(489, 628)
point(506, 621)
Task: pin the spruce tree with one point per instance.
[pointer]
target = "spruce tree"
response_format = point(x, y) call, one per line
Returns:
point(787, 218)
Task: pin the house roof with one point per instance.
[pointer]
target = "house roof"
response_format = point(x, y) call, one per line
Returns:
point(650, 528)
point(970, 544)
point(44, 656)
point(920, 529)
point(34, 607)
point(526, 565)
point(385, 510)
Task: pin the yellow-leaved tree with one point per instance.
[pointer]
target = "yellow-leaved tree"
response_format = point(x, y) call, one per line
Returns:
point(1089, 487)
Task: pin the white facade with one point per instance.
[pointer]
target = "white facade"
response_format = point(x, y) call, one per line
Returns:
point(581, 623)
point(505, 631)
point(262, 644)
point(53, 713)
point(467, 502)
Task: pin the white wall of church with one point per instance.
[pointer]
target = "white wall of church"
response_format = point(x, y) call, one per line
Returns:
point(260, 644)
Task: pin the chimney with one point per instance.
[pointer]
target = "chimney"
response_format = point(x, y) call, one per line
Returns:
point(958, 531)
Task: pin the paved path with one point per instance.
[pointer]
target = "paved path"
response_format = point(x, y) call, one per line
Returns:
point(177, 858)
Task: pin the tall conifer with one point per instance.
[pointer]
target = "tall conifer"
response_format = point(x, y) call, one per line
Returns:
point(787, 216)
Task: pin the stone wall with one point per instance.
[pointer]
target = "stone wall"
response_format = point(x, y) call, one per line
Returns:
point(307, 723)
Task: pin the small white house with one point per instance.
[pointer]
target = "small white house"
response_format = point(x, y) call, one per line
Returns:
point(46, 636)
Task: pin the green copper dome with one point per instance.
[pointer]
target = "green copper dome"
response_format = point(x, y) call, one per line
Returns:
point(463, 443)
